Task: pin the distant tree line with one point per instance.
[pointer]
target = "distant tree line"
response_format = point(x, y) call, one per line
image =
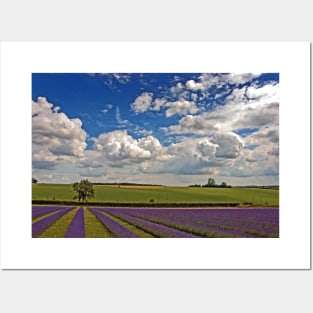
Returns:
point(211, 184)
point(126, 184)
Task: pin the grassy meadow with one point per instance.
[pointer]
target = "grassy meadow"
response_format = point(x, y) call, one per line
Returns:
point(161, 194)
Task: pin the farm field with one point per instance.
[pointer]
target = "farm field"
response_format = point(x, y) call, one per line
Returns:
point(100, 222)
point(161, 194)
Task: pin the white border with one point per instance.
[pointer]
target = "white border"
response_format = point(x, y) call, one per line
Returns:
point(290, 251)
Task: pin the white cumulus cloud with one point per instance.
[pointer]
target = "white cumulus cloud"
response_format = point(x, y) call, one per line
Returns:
point(180, 107)
point(238, 112)
point(118, 145)
point(142, 103)
point(55, 136)
point(229, 145)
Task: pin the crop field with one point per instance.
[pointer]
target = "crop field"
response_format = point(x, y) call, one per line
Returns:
point(161, 194)
point(88, 222)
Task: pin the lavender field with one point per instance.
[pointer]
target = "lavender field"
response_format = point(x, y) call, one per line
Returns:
point(76, 222)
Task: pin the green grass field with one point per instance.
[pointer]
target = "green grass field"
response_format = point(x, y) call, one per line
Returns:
point(161, 194)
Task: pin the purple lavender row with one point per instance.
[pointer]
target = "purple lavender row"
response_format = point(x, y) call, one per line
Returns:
point(213, 222)
point(153, 228)
point(251, 222)
point(38, 211)
point(256, 217)
point(192, 229)
point(248, 220)
point(249, 216)
point(115, 228)
point(77, 226)
point(40, 226)
point(222, 221)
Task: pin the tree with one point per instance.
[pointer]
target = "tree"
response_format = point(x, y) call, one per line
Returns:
point(34, 181)
point(224, 185)
point(84, 190)
point(211, 182)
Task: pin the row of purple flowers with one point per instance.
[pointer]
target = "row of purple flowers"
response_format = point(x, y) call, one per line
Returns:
point(77, 226)
point(155, 229)
point(42, 210)
point(213, 222)
point(168, 223)
point(114, 227)
point(39, 226)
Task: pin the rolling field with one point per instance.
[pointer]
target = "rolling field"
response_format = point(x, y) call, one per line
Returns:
point(86, 222)
point(161, 194)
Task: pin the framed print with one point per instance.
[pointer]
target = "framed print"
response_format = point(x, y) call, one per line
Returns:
point(155, 155)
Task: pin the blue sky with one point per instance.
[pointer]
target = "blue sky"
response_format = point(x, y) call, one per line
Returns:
point(167, 128)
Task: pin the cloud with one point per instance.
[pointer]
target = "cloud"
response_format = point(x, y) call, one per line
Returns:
point(229, 145)
point(202, 124)
point(260, 160)
point(92, 159)
point(177, 89)
point(189, 157)
point(39, 162)
point(142, 132)
point(118, 149)
point(118, 146)
point(239, 78)
point(237, 96)
point(269, 91)
point(150, 143)
point(158, 104)
point(55, 137)
point(92, 172)
point(206, 81)
point(240, 111)
point(50, 177)
point(118, 117)
point(194, 156)
point(107, 107)
point(181, 107)
point(192, 85)
point(266, 143)
point(117, 153)
point(265, 135)
point(145, 103)
point(274, 151)
point(142, 103)
point(110, 79)
point(230, 158)
point(253, 164)
point(185, 98)
point(122, 78)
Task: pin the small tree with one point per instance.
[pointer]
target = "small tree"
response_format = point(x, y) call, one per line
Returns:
point(84, 190)
point(211, 182)
point(34, 181)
